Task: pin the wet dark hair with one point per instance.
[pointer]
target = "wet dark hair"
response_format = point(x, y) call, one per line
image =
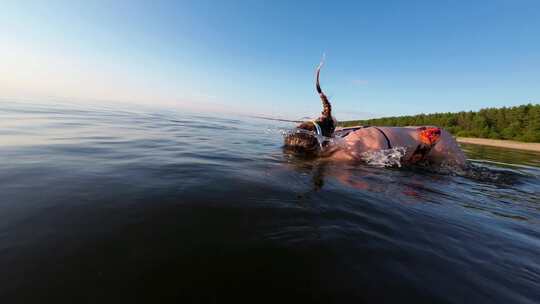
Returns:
point(300, 141)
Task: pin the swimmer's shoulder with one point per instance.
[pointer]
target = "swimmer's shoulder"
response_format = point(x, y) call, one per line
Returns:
point(364, 132)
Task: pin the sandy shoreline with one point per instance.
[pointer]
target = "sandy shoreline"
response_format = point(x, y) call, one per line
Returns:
point(510, 144)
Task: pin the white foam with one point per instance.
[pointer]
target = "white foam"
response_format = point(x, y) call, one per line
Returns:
point(384, 158)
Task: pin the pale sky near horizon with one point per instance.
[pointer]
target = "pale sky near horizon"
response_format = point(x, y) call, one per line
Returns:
point(258, 57)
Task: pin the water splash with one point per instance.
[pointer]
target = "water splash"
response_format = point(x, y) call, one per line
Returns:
point(384, 158)
point(321, 63)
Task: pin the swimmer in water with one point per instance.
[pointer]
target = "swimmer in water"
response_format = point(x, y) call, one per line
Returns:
point(422, 144)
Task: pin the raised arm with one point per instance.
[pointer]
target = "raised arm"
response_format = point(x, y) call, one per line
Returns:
point(326, 121)
point(327, 107)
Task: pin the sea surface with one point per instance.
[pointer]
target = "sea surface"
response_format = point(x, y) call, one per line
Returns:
point(123, 205)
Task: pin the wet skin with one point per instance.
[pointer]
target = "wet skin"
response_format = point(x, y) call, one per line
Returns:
point(370, 139)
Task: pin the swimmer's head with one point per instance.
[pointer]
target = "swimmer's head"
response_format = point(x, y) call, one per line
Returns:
point(302, 142)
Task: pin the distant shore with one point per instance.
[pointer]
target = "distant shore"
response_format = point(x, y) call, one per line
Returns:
point(510, 144)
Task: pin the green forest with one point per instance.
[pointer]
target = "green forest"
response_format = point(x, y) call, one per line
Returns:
point(520, 123)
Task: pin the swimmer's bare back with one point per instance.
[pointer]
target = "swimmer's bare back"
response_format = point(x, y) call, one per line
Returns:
point(371, 139)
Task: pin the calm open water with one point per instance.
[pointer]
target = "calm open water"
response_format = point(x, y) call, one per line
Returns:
point(101, 205)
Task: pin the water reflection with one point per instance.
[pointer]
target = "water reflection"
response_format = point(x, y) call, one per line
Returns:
point(129, 206)
point(503, 157)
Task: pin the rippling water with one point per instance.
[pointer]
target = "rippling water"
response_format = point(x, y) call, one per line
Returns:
point(105, 205)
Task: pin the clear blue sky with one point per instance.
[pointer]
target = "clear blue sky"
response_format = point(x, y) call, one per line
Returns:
point(383, 57)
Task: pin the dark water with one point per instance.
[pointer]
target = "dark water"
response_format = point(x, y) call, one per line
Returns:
point(101, 205)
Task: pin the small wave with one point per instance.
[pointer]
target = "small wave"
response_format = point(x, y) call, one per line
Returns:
point(477, 172)
point(503, 164)
point(499, 176)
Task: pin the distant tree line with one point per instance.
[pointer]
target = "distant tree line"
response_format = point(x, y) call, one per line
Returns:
point(520, 123)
